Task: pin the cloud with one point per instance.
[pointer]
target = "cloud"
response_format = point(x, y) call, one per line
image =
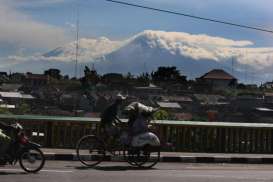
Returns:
point(181, 45)
point(186, 38)
point(204, 47)
point(17, 28)
point(35, 3)
point(71, 25)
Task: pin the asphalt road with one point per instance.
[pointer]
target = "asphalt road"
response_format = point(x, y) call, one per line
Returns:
point(120, 172)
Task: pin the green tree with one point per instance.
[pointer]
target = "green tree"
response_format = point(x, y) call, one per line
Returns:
point(161, 115)
point(91, 77)
point(4, 111)
point(163, 74)
point(144, 79)
point(23, 108)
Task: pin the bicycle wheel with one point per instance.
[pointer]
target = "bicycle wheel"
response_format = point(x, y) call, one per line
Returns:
point(90, 150)
point(146, 157)
point(32, 160)
point(129, 156)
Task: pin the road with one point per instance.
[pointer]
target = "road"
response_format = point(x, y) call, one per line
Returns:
point(119, 172)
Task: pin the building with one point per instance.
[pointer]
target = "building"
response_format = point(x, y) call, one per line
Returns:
point(268, 85)
point(15, 98)
point(172, 107)
point(147, 91)
point(10, 87)
point(3, 77)
point(217, 79)
point(17, 77)
point(36, 80)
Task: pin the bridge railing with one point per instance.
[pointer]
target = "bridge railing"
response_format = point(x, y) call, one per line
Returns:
point(184, 136)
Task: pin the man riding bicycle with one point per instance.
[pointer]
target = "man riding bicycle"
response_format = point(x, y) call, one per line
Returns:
point(109, 118)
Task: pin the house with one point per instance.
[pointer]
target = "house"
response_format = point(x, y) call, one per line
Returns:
point(184, 101)
point(147, 91)
point(170, 106)
point(261, 115)
point(36, 80)
point(15, 97)
point(210, 99)
point(268, 85)
point(4, 77)
point(268, 98)
point(17, 77)
point(245, 103)
point(10, 87)
point(217, 79)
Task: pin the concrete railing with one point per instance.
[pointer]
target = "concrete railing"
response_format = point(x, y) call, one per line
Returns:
point(186, 136)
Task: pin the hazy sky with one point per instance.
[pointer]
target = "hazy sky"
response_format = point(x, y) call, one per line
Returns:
point(32, 26)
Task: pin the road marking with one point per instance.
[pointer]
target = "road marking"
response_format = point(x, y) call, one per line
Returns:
point(50, 171)
point(57, 171)
point(216, 176)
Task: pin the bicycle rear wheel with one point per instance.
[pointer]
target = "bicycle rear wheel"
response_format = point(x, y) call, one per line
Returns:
point(146, 157)
point(90, 150)
point(32, 160)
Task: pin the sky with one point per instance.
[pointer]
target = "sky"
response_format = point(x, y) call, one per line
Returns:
point(29, 27)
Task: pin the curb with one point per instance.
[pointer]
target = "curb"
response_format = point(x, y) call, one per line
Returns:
point(175, 159)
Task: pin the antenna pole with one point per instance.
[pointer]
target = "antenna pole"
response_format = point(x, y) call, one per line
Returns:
point(76, 56)
point(77, 42)
point(232, 65)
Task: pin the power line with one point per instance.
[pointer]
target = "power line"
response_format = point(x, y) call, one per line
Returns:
point(192, 16)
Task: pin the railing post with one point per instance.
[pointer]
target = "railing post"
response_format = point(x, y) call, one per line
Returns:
point(49, 135)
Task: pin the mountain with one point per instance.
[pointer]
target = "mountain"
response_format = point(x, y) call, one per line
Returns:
point(88, 49)
point(192, 54)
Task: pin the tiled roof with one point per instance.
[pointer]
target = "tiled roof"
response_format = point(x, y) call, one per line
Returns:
point(169, 105)
point(218, 74)
point(10, 94)
point(15, 95)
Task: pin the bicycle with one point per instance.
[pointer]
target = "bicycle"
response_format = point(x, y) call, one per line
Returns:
point(142, 151)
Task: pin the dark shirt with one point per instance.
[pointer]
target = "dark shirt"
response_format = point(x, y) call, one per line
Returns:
point(6, 129)
point(109, 116)
point(4, 126)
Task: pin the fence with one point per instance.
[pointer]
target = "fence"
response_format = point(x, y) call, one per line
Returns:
point(186, 136)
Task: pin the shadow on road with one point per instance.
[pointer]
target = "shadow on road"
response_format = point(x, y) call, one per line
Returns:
point(113, 168)
point(12, 173)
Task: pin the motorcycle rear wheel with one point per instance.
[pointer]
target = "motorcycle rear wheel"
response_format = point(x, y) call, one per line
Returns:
point(32, 160)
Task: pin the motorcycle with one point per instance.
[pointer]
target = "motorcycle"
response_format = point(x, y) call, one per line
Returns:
point(29, 155)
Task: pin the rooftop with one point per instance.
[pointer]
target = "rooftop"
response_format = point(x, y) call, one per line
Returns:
point(15, 95)
point(173, 105)
point(218, 74)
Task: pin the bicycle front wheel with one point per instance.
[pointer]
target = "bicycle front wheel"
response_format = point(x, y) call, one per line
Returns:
point(90, 150)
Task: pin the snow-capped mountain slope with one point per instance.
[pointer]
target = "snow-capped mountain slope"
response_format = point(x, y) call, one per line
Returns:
point(192, 54)
point(89, 49)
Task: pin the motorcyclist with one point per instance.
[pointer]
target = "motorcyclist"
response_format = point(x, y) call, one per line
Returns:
point(5, 140)
point(109, 118)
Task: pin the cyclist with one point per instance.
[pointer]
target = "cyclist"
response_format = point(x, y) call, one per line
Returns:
point(109, 118)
